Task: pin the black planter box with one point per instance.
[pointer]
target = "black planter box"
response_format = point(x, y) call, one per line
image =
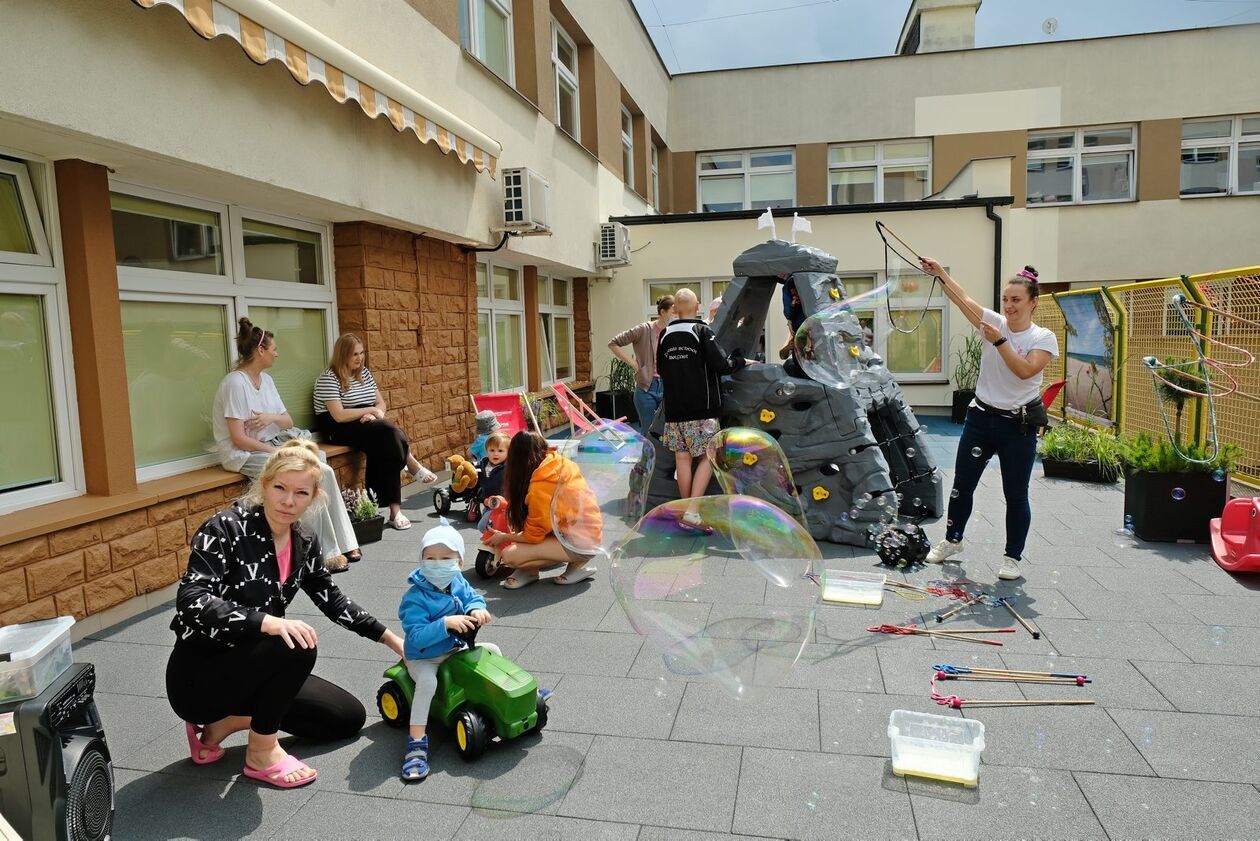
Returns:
point(962, 399)
point(1080, 471)
point(612, 406)
point(1148, 497)
point(368, 531)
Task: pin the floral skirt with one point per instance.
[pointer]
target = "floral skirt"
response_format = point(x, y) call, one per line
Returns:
point(690, 436)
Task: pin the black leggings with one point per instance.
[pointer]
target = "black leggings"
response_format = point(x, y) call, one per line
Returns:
point(385, 446)
point(265, 680)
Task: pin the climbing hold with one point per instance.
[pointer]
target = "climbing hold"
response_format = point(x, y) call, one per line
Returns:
point(835, 293)
point(750, 459)
point(820, 493)
point(855, 351)
point(766, 416)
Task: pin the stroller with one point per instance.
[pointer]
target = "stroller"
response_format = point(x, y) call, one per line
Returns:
point(492, 412)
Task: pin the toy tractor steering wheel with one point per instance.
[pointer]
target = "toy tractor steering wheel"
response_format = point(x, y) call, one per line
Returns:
point(469, 637)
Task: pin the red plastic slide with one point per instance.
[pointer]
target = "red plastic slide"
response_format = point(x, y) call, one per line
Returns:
point(1236, 536)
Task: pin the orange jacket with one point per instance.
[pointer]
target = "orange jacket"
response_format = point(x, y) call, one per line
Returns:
point(557, 470)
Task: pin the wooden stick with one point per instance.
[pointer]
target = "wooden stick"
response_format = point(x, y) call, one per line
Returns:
point(969, 669)
point(947, 635)
point(978, 631)
point(906, 586)
point(1013, 679)
point(1024, 703)
point(902, 241)
point(1027, 627)
point(941, 617)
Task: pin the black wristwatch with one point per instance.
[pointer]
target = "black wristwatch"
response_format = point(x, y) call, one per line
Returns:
point(1000, 342)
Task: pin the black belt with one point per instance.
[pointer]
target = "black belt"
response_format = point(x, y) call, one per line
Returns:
point(1009, 413)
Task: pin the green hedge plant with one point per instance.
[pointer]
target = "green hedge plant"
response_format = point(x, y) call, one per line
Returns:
point(1083, 444)
point(1158, 455)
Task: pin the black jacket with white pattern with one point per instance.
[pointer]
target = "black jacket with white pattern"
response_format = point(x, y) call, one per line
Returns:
point(232, 581)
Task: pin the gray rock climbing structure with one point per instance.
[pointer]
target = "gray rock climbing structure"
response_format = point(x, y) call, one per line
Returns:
point(856, 451)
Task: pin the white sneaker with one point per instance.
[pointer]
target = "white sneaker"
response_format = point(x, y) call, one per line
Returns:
point(943, 550)
point(1010, 569)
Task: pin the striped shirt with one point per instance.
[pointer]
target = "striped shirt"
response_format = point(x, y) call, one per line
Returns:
point(359, 395)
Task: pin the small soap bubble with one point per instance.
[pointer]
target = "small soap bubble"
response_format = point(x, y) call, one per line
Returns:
point(910, 452)
point(1178, 494)
point(953, 494)
point(786, 388)
point(916, 502)
point(1218, 475)
point(977, 452)
point(853, 512)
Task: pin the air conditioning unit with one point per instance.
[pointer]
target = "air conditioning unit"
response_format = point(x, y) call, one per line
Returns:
point(614, 245)
point(526, 196)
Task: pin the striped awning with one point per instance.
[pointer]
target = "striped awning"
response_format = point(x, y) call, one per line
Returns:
point(268, 33)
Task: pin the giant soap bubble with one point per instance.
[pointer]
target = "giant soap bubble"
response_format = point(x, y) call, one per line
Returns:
point(829, 346)
point(750, 462)
point(616, 464)
point(721, 587)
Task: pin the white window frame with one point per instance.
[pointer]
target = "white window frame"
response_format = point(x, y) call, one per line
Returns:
point(627, 146)
point(702, 286)
point(883, 328)
point(879, 163)
point(548, 308)
point(1077, 152)
point(476, 34)
point(490, 305)
point(566, 77)
point(655, 186)
point(232, 289)
point(45, 278)
point(1232, 142)
point(746, 171)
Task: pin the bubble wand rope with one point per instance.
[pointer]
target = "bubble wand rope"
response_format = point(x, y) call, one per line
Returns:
point(1177, 303)
point(880, 228)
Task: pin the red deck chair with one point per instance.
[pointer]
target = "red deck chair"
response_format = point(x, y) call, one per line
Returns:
point(580, 415)
point(509, 408)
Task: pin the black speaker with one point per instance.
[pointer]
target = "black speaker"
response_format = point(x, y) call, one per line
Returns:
point(56, 778)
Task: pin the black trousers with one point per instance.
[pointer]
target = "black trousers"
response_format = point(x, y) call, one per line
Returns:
point(265, 680)
point(385, 445)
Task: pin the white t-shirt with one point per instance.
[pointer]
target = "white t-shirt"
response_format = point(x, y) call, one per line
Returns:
point(237, 398)
point(998, 386)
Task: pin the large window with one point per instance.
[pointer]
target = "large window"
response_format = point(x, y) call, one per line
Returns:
point(1207, 149)
point(706, 289)
point(40, 461)
point(919, 353)
point(627, 146)
point(895, 170)
point(1081, 166)
point(555, 329)
point(754, 180)
point(487, 31)
point(500, 327)
point(564, 58)
point(187, 270)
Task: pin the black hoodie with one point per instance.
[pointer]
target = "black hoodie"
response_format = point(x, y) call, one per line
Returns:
point(690, 365)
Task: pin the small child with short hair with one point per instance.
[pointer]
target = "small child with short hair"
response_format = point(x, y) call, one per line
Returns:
point(490, 470)
point(437, 610)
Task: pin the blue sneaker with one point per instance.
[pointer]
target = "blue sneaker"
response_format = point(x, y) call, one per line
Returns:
point(545, 694)
point(416, 762)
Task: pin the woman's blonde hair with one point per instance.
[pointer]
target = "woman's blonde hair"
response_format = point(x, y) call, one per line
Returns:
point(293, 456)
point(339, 364)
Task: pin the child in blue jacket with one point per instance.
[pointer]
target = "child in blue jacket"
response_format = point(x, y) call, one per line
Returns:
point(439, 604)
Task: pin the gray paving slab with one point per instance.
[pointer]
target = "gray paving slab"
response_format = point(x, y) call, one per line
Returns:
point(1068, 580)
point(1213, 579)
point(1076, 638)
point(614, 706)
point(689, 614)
point(345, 817)
point(1116, 683)
point(486, 825)
point(161, 807)
point(1195, 746)
point(153, 627)
point(910, 672)
point(1025, 802)
point(838, 667)
point(1204, 688)
point(1213, 643)
point(546, 605)
point(1035, 603)
point(779, 718)
point(133, 721)
point(660, 833)
point(1082, 556)
point(1144, 581)
point(1067, 738)
point(1137, 807)
point(1132, 606)
point(127, 668)
point(856, 723)
point(581, 652)
point(1222, 610)
point(817, 796)
point(662, 783)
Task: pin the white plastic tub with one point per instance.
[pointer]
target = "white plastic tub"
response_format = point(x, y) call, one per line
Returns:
point(939, 747)
point(32, 655)
point(853, 587)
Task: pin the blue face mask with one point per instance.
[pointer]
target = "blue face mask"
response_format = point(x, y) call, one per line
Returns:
point(440, 573)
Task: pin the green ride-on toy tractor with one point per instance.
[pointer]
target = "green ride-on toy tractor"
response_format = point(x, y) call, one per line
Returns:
point(479, 695)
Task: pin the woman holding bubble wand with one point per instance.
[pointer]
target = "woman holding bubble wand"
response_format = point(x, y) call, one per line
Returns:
point(1005, 414)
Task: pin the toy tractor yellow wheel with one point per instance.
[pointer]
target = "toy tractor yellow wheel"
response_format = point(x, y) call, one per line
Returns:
point(472, 734)
point(392, 705)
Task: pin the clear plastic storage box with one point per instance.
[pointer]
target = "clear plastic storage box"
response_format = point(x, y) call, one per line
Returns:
point(846, 587)
point(32, 655)
point(940, 747)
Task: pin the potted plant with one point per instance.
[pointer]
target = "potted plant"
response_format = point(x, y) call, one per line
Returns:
point(966, 373)
point(365, 514)
point(1083, 453)
point(1173, 491)
point(618, 400)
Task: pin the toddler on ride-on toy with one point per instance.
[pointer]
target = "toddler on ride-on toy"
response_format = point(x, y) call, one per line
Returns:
point(474, 483)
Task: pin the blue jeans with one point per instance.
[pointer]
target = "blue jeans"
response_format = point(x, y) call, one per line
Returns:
point(1016, 450)
point(647, 401)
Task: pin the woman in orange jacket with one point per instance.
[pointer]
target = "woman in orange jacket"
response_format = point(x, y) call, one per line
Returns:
point(530, 480)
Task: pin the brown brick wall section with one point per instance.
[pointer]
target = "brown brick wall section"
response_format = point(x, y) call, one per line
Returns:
point(89, 568)
point(582, 328)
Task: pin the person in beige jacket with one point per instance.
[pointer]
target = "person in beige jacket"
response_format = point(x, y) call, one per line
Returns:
point(648, 391)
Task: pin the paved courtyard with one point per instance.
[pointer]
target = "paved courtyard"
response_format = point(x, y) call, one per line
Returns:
point(1172, 750)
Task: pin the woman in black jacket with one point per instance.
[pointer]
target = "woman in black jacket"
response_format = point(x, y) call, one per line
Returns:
point(238, 663)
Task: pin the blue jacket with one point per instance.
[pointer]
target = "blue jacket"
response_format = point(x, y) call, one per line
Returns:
point(423, 612)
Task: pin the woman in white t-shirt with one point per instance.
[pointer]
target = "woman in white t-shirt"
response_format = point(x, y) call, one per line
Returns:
point(1011, 365)
point(251, 422)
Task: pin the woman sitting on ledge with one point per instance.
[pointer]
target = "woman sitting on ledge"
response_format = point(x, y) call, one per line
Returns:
point(350, 410)
point(238, 663)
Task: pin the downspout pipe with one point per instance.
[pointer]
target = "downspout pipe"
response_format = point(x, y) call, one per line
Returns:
point(997, 256)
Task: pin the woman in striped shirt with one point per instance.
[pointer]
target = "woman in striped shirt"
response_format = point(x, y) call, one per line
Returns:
point(350, 410)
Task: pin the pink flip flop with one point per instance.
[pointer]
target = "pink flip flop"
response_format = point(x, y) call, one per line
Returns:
point(275, 775)
point(213, 752)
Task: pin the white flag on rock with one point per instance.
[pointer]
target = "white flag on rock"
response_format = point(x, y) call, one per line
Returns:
point(799, 224)
point(766, 220)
